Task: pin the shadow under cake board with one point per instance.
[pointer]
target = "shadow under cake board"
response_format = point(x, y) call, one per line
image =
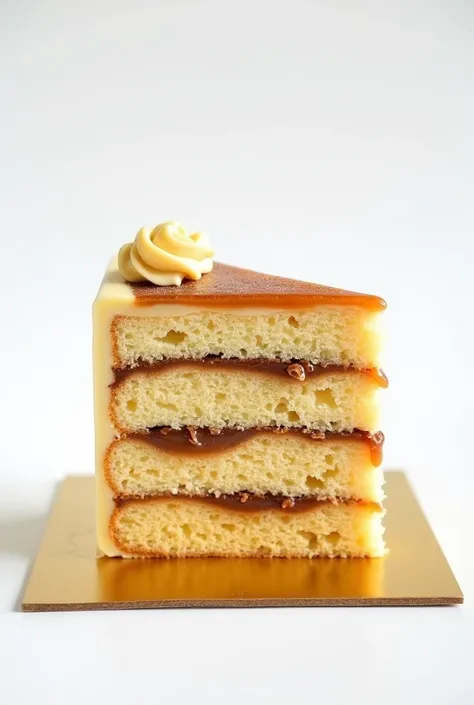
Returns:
point(67, 575)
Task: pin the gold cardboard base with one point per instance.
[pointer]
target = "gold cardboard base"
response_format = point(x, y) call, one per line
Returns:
point(68, 576)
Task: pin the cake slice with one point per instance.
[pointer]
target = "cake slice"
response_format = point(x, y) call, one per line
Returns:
point(237, 413)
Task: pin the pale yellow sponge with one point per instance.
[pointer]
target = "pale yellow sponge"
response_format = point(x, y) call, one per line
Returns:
point(193, 396)
point(186, 527)
point(287, 464)
point(326, 335)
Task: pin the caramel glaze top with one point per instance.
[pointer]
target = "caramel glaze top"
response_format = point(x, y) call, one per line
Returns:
point(233, 287)
point(193, 441)
point(296, 370)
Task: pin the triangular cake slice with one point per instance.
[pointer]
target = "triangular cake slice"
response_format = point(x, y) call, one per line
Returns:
point(238, 387)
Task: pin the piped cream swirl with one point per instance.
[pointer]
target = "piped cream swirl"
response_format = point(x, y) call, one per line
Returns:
point(165, 255)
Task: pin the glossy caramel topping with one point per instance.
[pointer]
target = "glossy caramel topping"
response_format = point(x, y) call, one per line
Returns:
point(297, 370)
point(248, 503)
point(204, 441)
point(232, 287)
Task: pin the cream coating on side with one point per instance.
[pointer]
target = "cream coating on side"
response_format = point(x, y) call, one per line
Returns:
point(115, 297)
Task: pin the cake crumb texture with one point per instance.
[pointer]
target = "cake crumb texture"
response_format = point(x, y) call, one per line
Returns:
point(176, 527)
point(326, 335)
point(218, 398)
point(285, 464)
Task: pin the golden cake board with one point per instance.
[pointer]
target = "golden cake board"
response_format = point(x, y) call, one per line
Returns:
point(67, 574)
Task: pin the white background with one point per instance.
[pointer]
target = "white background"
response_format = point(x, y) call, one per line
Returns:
point(326, 140)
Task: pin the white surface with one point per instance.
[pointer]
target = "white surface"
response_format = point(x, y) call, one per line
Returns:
point(325, 140)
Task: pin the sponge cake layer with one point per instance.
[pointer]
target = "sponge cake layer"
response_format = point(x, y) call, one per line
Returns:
point(195, 395)
point(183, 526)
point(258, 461)
point(326, 335)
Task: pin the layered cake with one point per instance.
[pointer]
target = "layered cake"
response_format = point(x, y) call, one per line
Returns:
point(237, 413)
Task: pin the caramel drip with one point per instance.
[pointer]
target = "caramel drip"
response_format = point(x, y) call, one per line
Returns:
point(245, 502)
point(260, 365)
point(205, 441)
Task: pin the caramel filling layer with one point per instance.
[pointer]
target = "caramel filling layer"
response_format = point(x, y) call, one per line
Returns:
point(297, 370)
point(244, 502)
point(205, 441)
